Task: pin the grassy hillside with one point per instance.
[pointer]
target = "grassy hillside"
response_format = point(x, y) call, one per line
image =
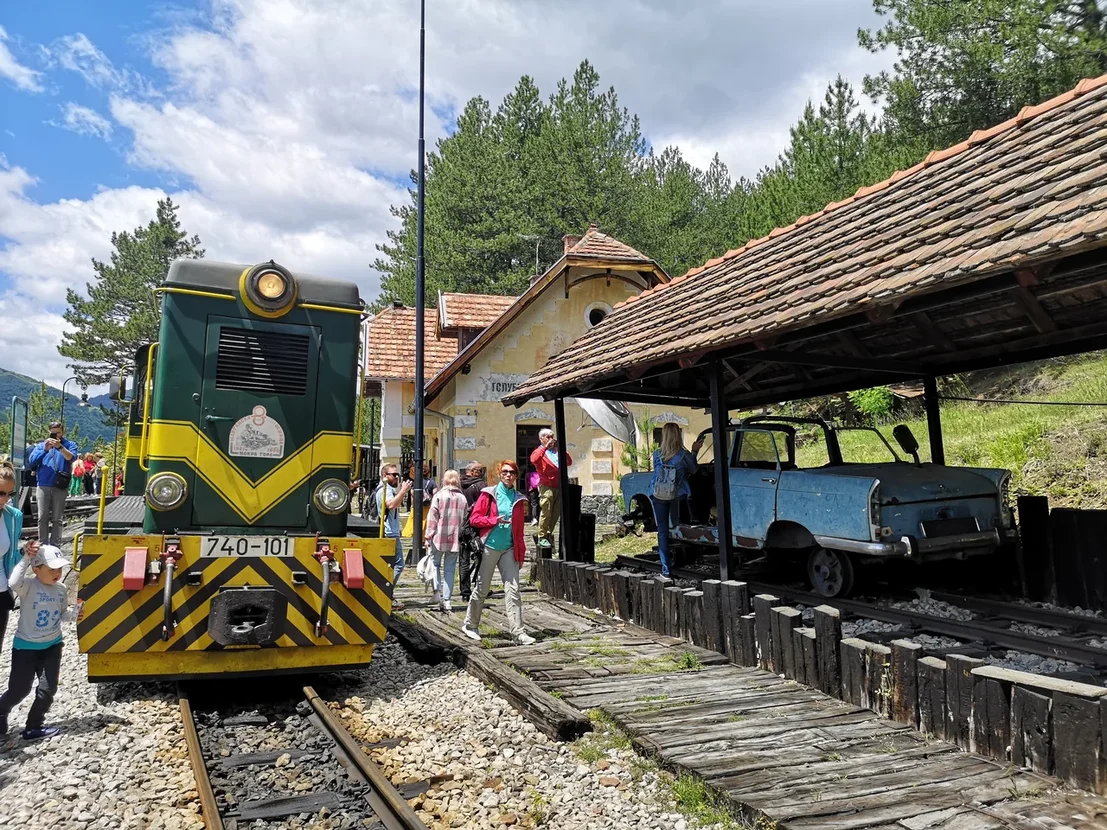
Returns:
point(1058, 451)
point(88, 419)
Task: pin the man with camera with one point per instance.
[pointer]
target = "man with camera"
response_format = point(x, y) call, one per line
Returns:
point(52, 461)
point(546, 461)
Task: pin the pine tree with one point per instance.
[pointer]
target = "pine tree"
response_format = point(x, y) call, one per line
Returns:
point(121, 311)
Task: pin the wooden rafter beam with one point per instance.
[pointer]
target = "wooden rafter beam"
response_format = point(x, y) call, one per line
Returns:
point(1033, 309)
point(744, 379)
point(930, 330)
point(834, 361)
point(852, 344)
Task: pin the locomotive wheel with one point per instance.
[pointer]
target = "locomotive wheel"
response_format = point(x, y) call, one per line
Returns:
point(830, 572)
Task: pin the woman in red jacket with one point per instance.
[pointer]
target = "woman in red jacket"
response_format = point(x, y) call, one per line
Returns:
point(499, 516)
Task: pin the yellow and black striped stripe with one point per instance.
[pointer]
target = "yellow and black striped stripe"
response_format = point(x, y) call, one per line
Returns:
point(184, 442)
point(117, 622)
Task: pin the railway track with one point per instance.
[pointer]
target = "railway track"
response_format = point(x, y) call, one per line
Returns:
point(989, 628)
point(318, 769)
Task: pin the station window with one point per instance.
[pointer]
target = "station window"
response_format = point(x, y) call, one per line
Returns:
point(595, 313)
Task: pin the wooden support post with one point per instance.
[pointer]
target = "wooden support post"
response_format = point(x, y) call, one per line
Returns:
point(934, 420)
point(786, 622)
point(733, 605)
point(959, 699)
point(712, 616)
point(719, 423)
point(854, 664)
point(807, 650)
point(622, 595)
point(634, 598)
point(1076, 730)
point(880, 679)
point(828, 639)
point(991, 717)
point(762, 607)
point(1031, 737)
point(651, 605)
point(1036, 550)
point(670, 610)
point(932, 696)
point(692, 618)
point(747, 640)
point(567, 539)
point(905, 682)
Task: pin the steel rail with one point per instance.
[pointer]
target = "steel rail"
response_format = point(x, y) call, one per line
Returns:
point(1048, 617)
point(1061, 648)
point(209, 808)
point(391, 808)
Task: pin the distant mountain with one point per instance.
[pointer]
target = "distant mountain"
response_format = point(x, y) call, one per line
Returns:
point(90, 419)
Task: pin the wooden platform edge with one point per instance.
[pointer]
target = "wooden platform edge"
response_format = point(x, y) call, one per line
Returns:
point(553, 717)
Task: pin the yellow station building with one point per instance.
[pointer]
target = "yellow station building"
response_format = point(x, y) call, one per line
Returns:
point(478, 348)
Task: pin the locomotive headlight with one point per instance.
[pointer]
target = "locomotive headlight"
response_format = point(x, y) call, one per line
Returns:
point(332, 496)
point(166, 491)
point(268, 290)
point(271, 285)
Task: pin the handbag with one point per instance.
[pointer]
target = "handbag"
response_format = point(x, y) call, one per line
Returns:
point(63, 480)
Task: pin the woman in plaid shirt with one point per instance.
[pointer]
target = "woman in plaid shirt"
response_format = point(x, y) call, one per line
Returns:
point(448, 510)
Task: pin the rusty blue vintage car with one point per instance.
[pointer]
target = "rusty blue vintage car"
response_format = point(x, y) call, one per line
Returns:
point(836, 513)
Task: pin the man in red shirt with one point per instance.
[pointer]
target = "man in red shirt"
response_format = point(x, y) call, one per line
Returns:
point(545, 461)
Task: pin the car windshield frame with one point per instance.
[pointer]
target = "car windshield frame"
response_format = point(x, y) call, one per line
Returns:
point(895, 456)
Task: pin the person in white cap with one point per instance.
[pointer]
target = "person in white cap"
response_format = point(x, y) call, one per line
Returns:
point(37, 649)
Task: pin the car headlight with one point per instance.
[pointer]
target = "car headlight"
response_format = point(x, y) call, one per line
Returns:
point(166, 491)
point(332, 496)
point(268, 289)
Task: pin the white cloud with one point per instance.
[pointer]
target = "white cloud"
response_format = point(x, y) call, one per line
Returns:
point(84, 121)
point(22, 76)
point(282, 127)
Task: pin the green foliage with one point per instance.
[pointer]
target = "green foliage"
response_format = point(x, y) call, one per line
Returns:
point(967, 65)
point(875, 404)
point(121, 311)
point(636, 457)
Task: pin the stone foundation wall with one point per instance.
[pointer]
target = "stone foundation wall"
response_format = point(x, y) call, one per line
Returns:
point(606, 508)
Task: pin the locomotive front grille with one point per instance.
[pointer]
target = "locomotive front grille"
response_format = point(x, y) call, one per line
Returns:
point(266, 362)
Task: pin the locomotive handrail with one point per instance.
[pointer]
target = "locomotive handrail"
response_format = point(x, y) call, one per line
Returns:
point(103, 502)
point(146, 408)
point(75, 567)
point(317, 307)
point(166, 289)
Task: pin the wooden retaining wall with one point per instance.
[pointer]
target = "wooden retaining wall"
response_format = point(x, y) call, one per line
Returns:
point(1054, 727)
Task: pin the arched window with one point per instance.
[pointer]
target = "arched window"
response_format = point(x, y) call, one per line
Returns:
point(595, 313)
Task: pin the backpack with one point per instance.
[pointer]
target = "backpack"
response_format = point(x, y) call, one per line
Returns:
point(665, 483)
point(375, 503)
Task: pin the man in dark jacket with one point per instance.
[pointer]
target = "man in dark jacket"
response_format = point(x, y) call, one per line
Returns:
point(472, 482)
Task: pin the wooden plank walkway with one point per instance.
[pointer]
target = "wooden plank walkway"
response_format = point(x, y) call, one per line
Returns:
point(778, 749)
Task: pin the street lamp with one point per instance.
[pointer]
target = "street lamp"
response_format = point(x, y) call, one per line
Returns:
point(83, 402)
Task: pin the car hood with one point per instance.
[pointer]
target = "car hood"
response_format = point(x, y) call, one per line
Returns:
point(904, 482)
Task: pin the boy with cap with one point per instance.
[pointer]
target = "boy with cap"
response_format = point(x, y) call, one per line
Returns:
point(36, 652)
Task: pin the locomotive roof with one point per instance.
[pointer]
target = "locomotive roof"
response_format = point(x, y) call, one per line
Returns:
point(224, 276)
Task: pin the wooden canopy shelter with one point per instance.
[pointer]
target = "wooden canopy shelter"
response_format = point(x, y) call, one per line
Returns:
point(990, 252)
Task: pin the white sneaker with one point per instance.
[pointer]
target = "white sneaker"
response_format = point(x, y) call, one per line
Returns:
point(470, 633)
point(524, 639)
point(446, 607)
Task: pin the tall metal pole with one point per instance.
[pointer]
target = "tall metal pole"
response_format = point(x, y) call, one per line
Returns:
point(420, 291)
point(719, 423)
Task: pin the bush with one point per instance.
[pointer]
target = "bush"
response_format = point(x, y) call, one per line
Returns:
point(875, 404)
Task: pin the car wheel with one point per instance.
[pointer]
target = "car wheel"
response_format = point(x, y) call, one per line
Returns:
point(830, 572)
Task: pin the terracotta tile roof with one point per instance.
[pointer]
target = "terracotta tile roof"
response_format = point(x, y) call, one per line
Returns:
point(392, 345)
point(476, 311)
point(1030, 189)
point(592, 243)
point(598, 245)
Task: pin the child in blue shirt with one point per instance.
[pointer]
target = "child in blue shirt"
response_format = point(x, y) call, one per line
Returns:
point(37, 650)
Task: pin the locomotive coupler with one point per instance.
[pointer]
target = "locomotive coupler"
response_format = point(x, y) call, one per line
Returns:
point(170, 557)
point(326, 558)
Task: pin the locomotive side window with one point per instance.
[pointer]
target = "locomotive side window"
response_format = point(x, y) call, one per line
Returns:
point(266, 362)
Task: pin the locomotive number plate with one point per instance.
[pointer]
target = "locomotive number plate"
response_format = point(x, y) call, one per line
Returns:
point(214, 546)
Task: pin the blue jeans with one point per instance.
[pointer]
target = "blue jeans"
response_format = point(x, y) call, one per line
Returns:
point(665, 512)
point(445, 563)
point(398, 562)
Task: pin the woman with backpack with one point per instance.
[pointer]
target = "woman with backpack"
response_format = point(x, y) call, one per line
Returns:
point(672, 465)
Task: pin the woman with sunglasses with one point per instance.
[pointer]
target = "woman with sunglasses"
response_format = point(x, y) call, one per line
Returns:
point(499, 516)
point(11, 527)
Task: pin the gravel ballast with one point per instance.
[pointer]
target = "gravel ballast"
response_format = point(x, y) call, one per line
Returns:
point(492, 767)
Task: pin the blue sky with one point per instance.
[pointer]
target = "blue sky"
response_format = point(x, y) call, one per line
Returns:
point(285, 128)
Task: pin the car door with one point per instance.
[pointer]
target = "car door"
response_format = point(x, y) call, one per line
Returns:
point(257, 421)
point(754, 478)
